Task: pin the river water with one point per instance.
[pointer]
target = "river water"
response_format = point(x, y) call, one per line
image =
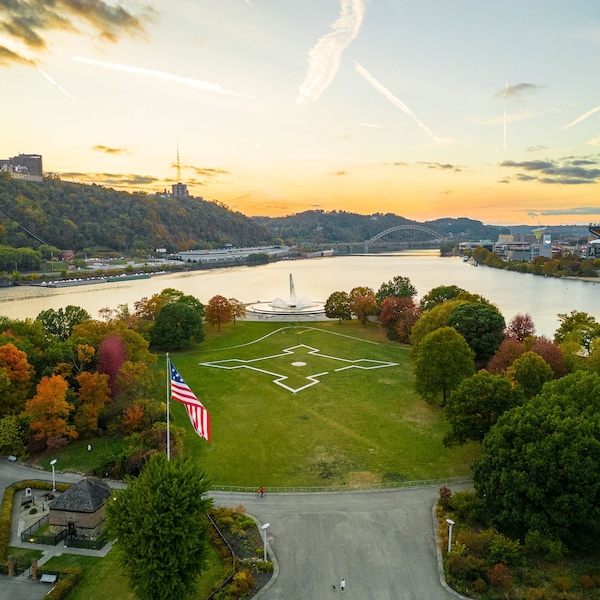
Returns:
point(315, 279)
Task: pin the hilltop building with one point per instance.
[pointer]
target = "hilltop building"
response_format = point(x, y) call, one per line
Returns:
point(24, 166)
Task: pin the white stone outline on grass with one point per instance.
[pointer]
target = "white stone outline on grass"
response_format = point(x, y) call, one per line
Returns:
point(279, 378)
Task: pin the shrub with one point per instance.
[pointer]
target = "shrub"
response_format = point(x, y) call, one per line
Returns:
point(63, 586)
point(538, 593)
point(464, 568)
point(506, 551)
point(32, 511)
point(477, 543)
point(445, 495)
point(586, 582)
point(466, 506)
point(499, 577)
point(242, 583)
point(536, 543)
point(563, 584)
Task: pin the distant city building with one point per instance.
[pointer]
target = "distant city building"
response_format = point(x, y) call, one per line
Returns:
point(229, 254)
point(24, 166)
point(520, 247)
point(178, 190)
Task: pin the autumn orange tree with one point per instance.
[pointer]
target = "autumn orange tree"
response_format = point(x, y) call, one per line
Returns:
point(17, 385)
point(93, 394)
point(49, 410)
point(218, 310)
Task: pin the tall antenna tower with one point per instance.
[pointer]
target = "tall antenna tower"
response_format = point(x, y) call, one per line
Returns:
point(178, 165)
point(179, 189)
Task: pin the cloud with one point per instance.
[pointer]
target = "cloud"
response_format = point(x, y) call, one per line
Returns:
point(324, 57)
point(441, 166)
point(589, 113)
point(535, 148)
point(29, 22)
point(595, 141)
point(581, 210)
point(8, 57)
point(339, 173)
point(60, 88)
point(107, 150)
point(207, 172)
point(565, 171)
point(163, 76)
point(116, 179)
point(521, 89)
point(369, 125)
point(398, 103)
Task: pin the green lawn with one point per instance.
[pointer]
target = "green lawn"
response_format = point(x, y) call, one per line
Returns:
point(103, 579)
point(354, 426)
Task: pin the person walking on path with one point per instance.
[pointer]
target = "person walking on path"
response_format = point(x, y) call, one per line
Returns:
point(343, 584)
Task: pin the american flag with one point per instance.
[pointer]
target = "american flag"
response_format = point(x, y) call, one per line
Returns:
point(198, 415)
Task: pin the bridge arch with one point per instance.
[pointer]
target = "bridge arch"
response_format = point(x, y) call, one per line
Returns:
point(435, 234)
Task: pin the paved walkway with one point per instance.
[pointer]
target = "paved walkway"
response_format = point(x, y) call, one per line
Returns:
point(383, 543)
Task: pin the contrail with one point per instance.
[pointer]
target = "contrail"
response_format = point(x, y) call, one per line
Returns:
point(324, 57)
point(56, 84)
point(589, 113)
point(397, 102)
point(187, 81)
point(504, 122)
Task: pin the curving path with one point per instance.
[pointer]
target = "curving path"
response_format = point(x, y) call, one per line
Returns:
point(382, 542)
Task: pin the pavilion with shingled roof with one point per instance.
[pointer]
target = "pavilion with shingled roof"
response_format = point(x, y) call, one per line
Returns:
point(81, 508)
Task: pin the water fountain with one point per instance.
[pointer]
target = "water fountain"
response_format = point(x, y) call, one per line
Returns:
point(293, 308)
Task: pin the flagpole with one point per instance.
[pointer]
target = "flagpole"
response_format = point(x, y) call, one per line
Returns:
point(168, 398)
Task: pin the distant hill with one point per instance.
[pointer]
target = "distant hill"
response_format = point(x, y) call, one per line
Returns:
point(88, 217)
point(317, 226)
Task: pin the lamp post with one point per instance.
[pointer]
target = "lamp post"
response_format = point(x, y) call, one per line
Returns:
point(52, 463)
point(451, 523)
point(264, 528)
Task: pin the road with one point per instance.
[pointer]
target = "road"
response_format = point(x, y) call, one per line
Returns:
point(383, 543)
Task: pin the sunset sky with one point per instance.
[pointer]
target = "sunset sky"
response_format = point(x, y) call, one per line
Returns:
point(488, 109)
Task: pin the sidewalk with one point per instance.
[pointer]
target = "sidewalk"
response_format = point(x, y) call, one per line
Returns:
point(21, 520)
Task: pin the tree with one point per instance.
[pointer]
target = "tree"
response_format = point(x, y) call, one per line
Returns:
point(399, 315)
point(444, 359)
point(60, 323)
point(17, 384)
point(49, 409)
point(475, 405)
point(112, 353)
point(482, 327)
point(218, 310)
point(93, 394)
point(509, 350)
point(431, 320)
point(238, 309)
point(362, 303)
point(577, 326)
point(337, 306)
point(551, 353)
point(398, 287)
point(539, 465)
point(160, 528)
point(520, 327)
point(530, 371)
point(438, 295)
point(177, 325)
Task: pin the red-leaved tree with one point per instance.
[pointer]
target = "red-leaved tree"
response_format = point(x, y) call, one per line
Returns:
point(111, 355)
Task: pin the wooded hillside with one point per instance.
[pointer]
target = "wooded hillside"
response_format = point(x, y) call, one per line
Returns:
point(90, 217)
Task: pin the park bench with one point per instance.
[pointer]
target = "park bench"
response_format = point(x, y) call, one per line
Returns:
point(48, 578)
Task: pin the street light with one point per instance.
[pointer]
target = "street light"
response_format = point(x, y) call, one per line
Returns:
point(264, 528)
point(451, 523)
point(52, 463)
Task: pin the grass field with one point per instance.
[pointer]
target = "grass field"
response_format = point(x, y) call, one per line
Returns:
point(361, 423)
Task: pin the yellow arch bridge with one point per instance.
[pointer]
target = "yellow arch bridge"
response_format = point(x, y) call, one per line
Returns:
point(436, 235)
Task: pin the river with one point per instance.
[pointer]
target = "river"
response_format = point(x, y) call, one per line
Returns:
point(315, 279)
